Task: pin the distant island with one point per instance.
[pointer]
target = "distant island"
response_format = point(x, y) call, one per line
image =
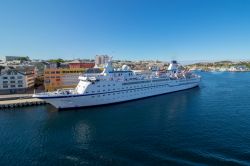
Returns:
point(230, 66)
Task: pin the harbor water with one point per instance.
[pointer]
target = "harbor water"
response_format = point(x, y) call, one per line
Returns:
point(207, 125)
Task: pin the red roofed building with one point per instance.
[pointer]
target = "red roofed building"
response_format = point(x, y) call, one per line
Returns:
point(81, 64)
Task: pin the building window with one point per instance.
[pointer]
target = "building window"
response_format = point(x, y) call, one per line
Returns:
point(20, 86)
point(20, 81)
point(5, 78)
point(57, 72)
point(12, 86)
point(19, 77)
point(5, 82)
point(12, 77)
point(12, 82)
point(5, 86)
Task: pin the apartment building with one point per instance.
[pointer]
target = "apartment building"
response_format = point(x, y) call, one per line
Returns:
point(13, 81)
point(101, 60)
point(57, 78)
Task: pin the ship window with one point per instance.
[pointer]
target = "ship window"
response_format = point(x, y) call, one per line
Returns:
point(93, 91)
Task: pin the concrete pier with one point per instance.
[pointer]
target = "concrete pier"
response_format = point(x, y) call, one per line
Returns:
point(21, 102)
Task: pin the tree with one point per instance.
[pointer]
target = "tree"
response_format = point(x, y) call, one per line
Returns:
point(59, 60)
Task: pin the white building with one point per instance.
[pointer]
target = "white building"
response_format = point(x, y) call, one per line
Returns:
point(13, 81)
point(101, 60)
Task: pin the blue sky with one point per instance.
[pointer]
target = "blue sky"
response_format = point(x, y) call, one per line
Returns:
point(186, 30)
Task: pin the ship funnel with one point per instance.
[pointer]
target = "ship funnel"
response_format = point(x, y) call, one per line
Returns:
point(108, 67)
point(173, 65)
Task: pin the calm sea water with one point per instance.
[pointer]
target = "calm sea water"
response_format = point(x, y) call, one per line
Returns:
point(209, 125)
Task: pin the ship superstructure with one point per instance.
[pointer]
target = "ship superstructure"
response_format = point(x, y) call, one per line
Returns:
point(119, 85)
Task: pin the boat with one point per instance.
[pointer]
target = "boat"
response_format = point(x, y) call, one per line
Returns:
point(121, 85)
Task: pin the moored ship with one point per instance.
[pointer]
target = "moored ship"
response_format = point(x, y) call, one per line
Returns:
point(120, 85)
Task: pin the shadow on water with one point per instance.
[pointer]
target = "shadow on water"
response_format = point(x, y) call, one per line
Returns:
point(110, 133)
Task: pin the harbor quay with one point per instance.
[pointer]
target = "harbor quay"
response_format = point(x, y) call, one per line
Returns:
point(20, 102)
point(15, 96)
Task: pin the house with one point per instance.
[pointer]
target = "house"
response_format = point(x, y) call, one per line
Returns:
point(15, 81)
point(81, 64)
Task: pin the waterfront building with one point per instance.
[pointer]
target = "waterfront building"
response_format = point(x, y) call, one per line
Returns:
point(81, 64)
point(57, 78)
point(16, 80)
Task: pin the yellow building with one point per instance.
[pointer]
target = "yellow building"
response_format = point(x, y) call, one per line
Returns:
point(57, 78)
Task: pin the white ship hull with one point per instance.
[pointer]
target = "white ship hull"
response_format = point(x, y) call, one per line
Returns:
point(121, 93)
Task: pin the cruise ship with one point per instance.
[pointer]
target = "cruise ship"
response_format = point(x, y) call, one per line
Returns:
point(120, 85)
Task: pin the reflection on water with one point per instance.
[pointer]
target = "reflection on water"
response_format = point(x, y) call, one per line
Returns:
point(82, 134)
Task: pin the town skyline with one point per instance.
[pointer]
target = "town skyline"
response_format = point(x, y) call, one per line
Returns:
point(184, 62)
